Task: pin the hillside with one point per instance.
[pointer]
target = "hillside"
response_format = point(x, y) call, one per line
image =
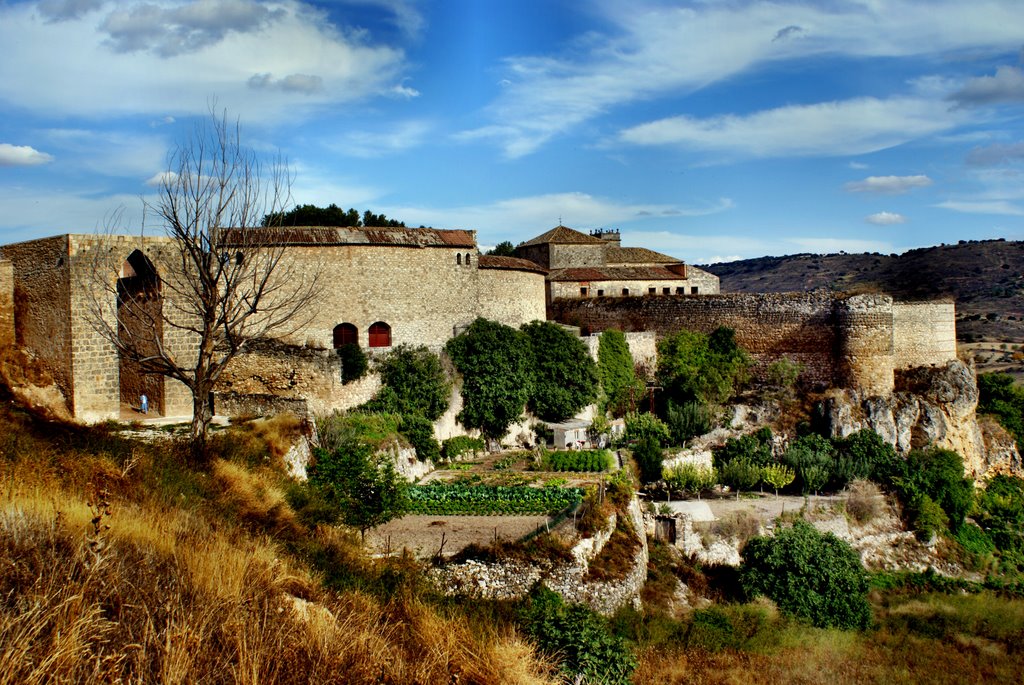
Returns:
point(986, 278)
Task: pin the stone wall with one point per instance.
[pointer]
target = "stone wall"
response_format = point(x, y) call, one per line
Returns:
point(924, 333)
point(6, 303)
point(511, 297)
point(851, 341)
point(570, 289)
point(576, 255)
point(642, 347)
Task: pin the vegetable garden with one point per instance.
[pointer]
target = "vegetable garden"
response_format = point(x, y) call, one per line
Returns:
point(441, 499)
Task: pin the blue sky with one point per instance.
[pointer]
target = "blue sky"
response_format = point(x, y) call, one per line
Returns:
point(710, 129)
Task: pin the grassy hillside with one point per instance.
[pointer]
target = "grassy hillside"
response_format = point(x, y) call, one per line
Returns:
point(986, 278)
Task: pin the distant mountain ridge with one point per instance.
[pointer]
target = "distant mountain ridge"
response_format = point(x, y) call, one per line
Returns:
point(986, 278)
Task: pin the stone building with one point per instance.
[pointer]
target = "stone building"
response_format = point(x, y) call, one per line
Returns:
point(596, 265)
point(380, 287)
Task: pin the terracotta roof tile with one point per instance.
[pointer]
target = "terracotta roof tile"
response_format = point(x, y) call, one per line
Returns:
point(563, 235)
point(637, 255)
point(615, 273)
point(329, 235)
point(509, 263)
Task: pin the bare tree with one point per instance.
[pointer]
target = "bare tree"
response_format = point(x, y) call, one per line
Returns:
point(220, 281)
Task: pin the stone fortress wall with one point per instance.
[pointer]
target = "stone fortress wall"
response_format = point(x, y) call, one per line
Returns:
point(849, 341)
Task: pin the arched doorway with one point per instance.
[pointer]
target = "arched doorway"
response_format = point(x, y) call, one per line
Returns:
point(380, 335)
point(345, 334)
point(140, 327)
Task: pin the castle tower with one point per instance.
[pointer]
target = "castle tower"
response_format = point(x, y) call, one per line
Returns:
point(864, 344)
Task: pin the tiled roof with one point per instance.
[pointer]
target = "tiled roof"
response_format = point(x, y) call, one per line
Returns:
point(564, 235)
point(329, 235)
point(637, 255)
point(509, 263)
point(615, 273)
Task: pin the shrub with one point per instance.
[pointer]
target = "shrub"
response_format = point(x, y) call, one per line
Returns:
point(741, 525)
point(755, 448)
point(740, 474)
point(690, 478)
point(578, 637)
point(998, 395)
point(926, 517)
point(813, 576)
point(564, 375)
point(642, 426)
point(862, 501)
point(813, 459)
point(782, 373)
point(619, 383)
point(649, 457)
point(864, 455)
point(353, 362)
point(687, 420)
point(939, 475)
point(420, 433)
point(695, 366)
point(453, 448)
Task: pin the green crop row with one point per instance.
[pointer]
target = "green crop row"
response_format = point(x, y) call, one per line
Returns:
point(580, 461)
point(456, 499)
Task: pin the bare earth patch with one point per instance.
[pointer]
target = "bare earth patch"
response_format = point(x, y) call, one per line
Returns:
point(422, 535)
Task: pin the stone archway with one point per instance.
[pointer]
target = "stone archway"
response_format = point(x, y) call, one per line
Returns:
point(140, 324)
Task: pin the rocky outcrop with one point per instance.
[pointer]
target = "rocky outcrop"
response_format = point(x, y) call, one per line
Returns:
point(930, 406)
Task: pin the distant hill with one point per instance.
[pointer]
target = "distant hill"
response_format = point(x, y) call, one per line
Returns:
point(986, 278)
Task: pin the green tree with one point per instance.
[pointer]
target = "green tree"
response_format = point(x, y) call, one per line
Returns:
point(503, 249)
point(497, 375)
point(419, 431)
point(694, 366)
point(778, 476)
point(649, 459)
point(939, 474)
point(418, 380)
point(361, 484)
point(642, 426)
point(687, 420)
point(621, 388)
point(332, 215)
point(813, 457)
point(564, 375)
point(353, 362)
point(813, 576)
point(999, 396)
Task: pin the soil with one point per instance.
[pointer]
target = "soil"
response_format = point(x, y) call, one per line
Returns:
point(424, 535)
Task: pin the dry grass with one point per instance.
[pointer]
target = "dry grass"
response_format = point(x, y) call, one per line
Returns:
point(864, 501)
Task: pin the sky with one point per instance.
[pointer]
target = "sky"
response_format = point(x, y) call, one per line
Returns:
point(711, 130)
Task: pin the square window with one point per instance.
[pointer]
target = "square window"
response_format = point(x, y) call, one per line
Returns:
point(666, 291)
point(680, 290)
point(625, 292)
point(693, 290)
point(600, 293)
point(583, 292)
point(652, 291)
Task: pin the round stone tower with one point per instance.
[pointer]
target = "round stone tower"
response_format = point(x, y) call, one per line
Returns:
point(864, 345)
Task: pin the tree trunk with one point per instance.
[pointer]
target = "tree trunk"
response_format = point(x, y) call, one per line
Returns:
point(202, 414)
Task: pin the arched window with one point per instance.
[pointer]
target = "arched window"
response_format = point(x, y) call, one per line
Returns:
point(380, 335)
point(467, 259)
point(345, 334)
point(458, 259)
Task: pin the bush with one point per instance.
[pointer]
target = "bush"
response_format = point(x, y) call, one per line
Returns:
point(939, 475)
point(420, 433)
point(740, 474)
point(455, 447)
point(695, 366)
point(813, 459)
point(863, 501)
point(578, 638)
point(564, 375)
point(642, 426)
point(687, 420)
point(864, 455)
point(926, 517)
point(690, 478)
point(998, 395)
point(755, 448)
point(813, 576)
point(353, 362)
point(649, 458)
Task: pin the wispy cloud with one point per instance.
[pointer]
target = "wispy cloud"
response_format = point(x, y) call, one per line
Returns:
point(996, 155)
point(888, 185)
point(1001, 207)
point(1006, 86)
point(63, 10)
point(846, 127)
point(293, 83)
point(398, 138)
point(655, 49)
point(22, 155)
point(885, 219)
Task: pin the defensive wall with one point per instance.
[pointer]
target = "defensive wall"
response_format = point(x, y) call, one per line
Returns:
point(853, 341)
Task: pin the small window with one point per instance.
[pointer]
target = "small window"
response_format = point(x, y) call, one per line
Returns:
point(680, 290)
point(666, 291)
point(625, 292)
point(652, 291)
point(600, 293)
point(380, 335)
point(693, 290)
point(345, 334)
point(458, 259)
point(467, 259)
point(583, 292)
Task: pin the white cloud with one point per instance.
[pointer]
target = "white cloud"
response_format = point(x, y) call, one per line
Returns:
point(889, 185)
point(847, 127)
point(216, 57)
point(160, 179)
point(655, 49)
point(22, 155)
point(293, 83)
point(720, 259)
point(62, 10)
point(885, 219)
point(172, 30)
point(983, 207)
point(1006, 86)
point(859, 166)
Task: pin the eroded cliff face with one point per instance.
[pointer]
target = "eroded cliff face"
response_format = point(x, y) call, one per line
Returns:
point(930, 406)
